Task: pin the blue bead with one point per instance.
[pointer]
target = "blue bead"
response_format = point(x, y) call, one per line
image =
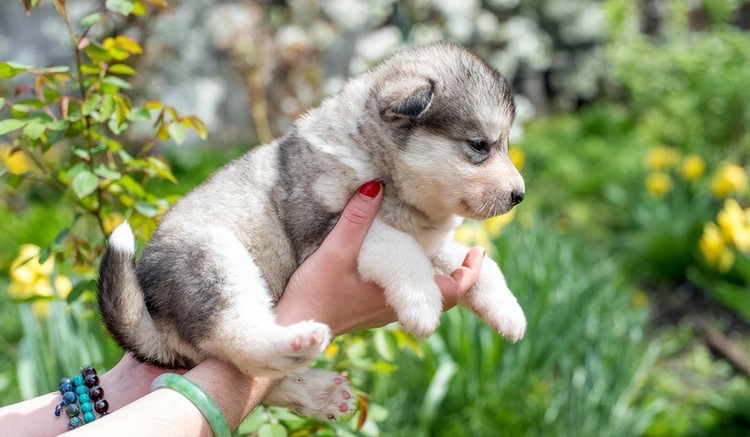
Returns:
point(65, 387)
point(87, 407)
point(77, 380)
point(89, 417)
point(84, 398)
point(64, 381)
point(82, 390)
point(69, 398)
point(72, 410)
point(75, 422)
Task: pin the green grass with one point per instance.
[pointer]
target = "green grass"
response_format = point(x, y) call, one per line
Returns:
point(580, 370)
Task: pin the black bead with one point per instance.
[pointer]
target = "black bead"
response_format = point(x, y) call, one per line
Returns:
point(96, 392)
point(101, 406)
point(91, 380)
point(88, 371)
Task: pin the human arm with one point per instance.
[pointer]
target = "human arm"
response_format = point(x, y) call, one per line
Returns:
point(332, 291)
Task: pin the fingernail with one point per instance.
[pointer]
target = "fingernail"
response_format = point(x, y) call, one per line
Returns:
point(370, 189)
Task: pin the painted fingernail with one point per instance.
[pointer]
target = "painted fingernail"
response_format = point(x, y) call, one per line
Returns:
point(370, 189)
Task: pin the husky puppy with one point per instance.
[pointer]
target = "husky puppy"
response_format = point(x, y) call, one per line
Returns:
point(431, 124)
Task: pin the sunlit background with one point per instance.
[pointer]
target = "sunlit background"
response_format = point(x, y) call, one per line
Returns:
point(630, 254)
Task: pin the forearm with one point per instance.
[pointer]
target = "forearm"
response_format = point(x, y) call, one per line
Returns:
point(167, 412)
point(126, 382)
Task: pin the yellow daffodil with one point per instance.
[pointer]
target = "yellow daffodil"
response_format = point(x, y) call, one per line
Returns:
point(495, 225)
point(17, 162)
point(734, 223)
point(472, 233)
point(517, 156)
point(658, 184)
point(111, 221)
point(729, 179)
point(31, 278)
point(693, 167)
point(662, 158)
point(714, 249)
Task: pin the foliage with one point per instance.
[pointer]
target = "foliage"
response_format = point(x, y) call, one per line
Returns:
point(589, 377)
point(65, 127)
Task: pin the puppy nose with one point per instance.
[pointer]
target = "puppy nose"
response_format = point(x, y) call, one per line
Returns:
point(516, 197)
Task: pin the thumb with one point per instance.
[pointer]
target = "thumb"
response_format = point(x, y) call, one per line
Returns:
point(355, 220)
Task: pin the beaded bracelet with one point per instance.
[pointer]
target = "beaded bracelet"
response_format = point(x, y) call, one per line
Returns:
point(198, 397)
point(81, 394)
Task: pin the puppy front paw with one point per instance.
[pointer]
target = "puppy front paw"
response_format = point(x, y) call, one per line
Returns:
point(418, 308)
point(509, 321)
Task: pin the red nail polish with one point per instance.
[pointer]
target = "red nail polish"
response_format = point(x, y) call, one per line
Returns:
point(370, 189)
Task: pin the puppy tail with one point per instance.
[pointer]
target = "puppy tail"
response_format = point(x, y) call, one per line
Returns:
point(121, 301)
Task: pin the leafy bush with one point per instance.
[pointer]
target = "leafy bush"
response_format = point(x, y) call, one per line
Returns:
point(65, 127)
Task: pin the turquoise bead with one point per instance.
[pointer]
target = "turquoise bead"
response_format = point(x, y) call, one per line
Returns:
point(89, 417)
point(75, 422)
point(84, 398)
point(87, 407)
point(82, 389)
point(77, 380)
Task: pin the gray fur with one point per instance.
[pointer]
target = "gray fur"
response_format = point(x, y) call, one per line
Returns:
point(415, 111)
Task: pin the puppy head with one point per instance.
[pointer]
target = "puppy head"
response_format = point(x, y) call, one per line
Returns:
point(449, 115)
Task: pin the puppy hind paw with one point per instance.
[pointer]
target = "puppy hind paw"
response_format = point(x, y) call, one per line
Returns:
point(307, 341)
point(317, 393)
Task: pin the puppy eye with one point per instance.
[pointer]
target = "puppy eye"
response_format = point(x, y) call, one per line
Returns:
point(480, 146)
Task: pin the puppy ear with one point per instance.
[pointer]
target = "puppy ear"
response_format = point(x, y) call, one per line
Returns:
point(405, 97)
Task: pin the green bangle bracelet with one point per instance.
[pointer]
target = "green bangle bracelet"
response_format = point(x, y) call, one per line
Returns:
point(198, 397)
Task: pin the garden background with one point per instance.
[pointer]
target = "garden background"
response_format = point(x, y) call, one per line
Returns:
point(630, 254)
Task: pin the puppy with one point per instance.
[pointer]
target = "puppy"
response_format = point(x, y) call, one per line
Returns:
point(431, 124)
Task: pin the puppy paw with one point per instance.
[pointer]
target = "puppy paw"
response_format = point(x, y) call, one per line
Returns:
point(509, 321)
point(418, 308)
point(317, 393)
point(284, 349)
point(306, 341)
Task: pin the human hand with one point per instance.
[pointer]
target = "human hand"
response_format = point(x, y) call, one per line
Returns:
point(327, 287)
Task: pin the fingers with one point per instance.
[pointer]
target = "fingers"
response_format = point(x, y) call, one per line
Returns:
point(355, 220)
point(455, 286)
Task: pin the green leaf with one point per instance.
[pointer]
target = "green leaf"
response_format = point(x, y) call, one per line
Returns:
point(10, 125)
point(107, 107)
point(51, 70)
point(97, 52)
point(92, 19)
point(2, 102)
point(177, 132)
point(385, 344)
point(124, 7)
point(34, 130)
point(121, 69)
point(79, 288)
point(116, 81)
point(139, 114)
point(272, 430)
point(58, 126)
point(105, 172)
point(116, 127)
point(85, 183)
point(90, 69)
point(146, 209)
point(11, 69)
point(91, 104)
point(51, 95)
